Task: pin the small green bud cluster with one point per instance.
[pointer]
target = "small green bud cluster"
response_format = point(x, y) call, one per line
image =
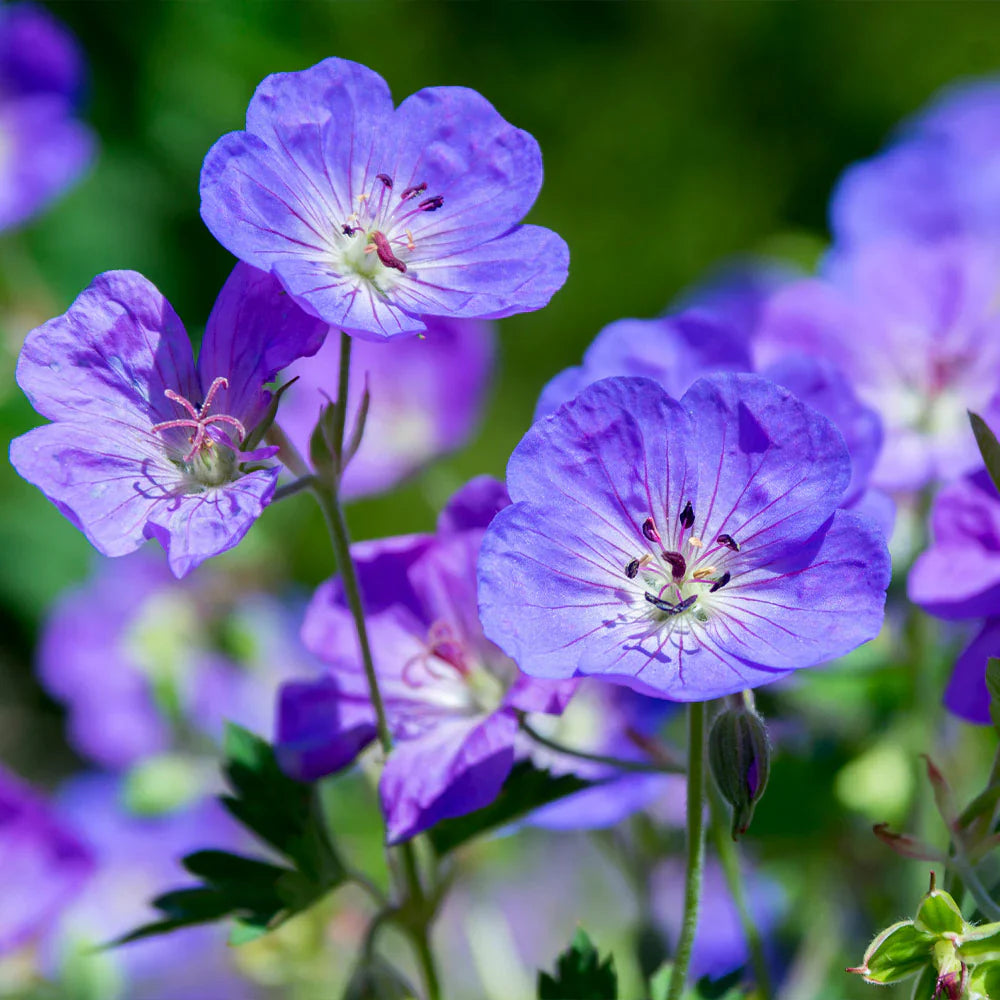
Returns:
point(951, 958)
point(739, 755)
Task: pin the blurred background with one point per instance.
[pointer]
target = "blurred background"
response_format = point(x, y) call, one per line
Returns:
point(675, 137)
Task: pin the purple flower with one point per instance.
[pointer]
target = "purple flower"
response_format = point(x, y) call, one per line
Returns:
point(718, 335)
point(451, 696)
point(44, 864)
point(939, 178)
point(426, 397)
point(144, 443)
point(133, 651)
point(687, 549)
point(374, 217)
point(43, 147)
point(958, 578)
point(914, 327)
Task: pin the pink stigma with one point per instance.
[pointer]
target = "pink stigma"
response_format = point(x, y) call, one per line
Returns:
point(198, 421)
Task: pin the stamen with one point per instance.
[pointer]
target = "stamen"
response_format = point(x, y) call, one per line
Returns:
point(667, 607)
point(695, 542)
point(649, 530)
point(701, 574)
point(632, 569)
point(677, 563)
point(385, 254)
point(385, 179)
point(729, 542)
point(687, 516)
point(412, 192)
point(431, 204)
point(720, 583)
point(410, 245)
point(349, 230)
point(198, 421)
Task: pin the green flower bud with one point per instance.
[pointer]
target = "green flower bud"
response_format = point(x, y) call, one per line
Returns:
point(739, 754)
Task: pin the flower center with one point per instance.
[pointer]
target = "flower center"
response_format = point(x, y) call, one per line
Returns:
point(374, 240)
point(679, 579)
point(209, 461)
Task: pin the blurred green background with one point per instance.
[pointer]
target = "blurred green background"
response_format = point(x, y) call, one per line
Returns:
point(675, 136)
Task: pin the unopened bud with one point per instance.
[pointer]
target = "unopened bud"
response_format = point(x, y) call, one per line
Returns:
point(323, 453)
point(739, 754)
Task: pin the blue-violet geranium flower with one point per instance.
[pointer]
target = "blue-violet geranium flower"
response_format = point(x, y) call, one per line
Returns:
point(144, 443)
point(373, 217)
point(689, 549)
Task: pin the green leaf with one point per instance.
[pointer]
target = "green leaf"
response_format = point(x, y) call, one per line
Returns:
point(984, 981)
point(993, 686)
point(659, 985)
point(939, 914)
point(726, 988)
point(899, 952)
point(580, 974)
point(980, 944)
point(925, 987)
point(527, 789)
point(989, 447)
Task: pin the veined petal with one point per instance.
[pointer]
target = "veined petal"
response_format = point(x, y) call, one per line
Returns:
point(110, 357)
point(456, 768)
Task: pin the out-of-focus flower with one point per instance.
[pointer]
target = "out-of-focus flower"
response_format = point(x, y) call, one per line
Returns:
point(687, 549)
point(43, 146)
point(136, 655)
point(718, 335)
point(144, 443)
point(44, 864)
point(137, 858)
point(958, 578)
point(427, 394)
point(374, 217)
point(939, 177)
point(915, 327)
point(451, 696)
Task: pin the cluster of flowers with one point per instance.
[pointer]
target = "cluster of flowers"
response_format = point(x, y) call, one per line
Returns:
point(699, 508)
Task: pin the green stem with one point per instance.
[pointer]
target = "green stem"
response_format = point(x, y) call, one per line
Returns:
point(695, 847)
point(638, 766)
point(730, 861)
point(340, 413)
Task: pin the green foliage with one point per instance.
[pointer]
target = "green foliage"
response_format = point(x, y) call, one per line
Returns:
point(257, 894)
point(988, 446)
point(726, 988)
point(580, 974)
point(528, 788)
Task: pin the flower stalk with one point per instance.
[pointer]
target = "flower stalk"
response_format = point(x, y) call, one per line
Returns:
point(695, 848)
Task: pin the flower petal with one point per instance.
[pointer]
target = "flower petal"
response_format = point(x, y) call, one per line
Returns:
point(966, 695)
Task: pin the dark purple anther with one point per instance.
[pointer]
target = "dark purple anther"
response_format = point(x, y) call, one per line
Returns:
point(720, 583)
point(678, 564)
point(729, 542)
point(412, 192)
point(649, 530)
point(431, 204)
point(385, 253)
point(349, 230)
point(386, 180)
point(632, 569)
point(665, 606)
point(687, 516)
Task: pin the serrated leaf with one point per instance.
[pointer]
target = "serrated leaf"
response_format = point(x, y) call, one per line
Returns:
point(989, 447)
point(526, 789)
point(939, 914)
point(580, 974)
point(244, 931)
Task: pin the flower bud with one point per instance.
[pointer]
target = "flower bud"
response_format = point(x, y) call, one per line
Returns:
point(739, 754)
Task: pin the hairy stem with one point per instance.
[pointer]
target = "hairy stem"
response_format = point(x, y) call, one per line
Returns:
point(725, 847)
point(638, 766)
point(695, 847)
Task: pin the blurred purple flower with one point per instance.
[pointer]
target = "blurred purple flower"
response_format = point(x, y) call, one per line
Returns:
point(686, 549)
point(427, 394)
point(138, 858)
point(43, 862)
point(134, 651)
point(915, 328)
point(939, 177)
point(958, 578)
point(144, 443)
point(718, 335)
point(451, 696)
point(43, 147)
point(374, 217)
